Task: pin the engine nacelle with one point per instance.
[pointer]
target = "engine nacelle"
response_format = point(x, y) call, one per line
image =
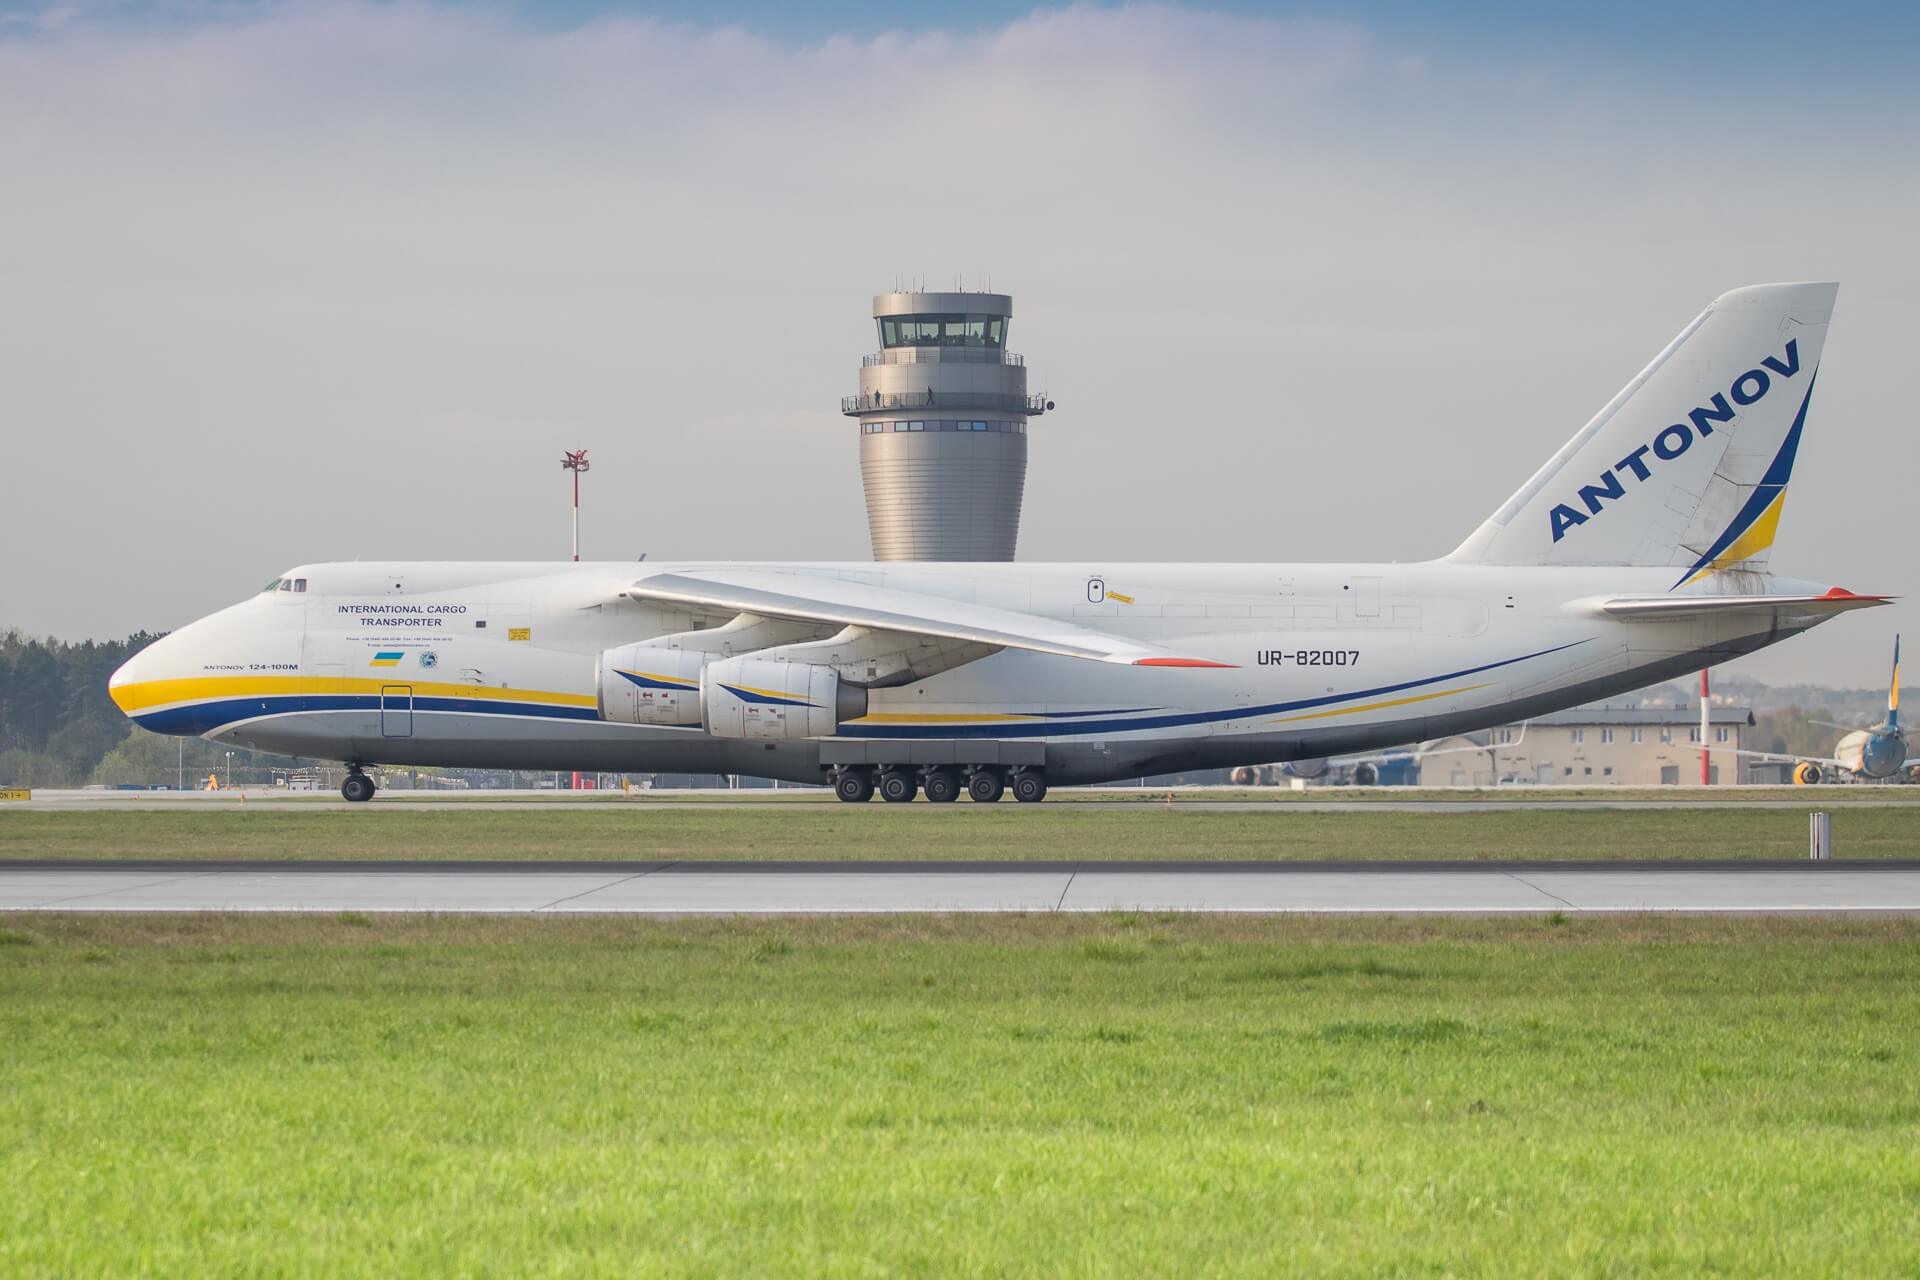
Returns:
point(1308, 769)
point(646, 684)
point(772, 699)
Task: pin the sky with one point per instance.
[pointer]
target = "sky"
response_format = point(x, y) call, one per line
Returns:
point(282, 283)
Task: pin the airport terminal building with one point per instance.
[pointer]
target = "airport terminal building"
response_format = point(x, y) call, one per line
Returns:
point(1596, 746)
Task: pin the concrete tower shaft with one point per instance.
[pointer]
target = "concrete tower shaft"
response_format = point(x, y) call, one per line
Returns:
point(943, 411)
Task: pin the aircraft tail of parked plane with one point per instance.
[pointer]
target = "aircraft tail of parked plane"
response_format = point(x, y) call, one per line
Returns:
point(1893, 691)
point(1687, 466)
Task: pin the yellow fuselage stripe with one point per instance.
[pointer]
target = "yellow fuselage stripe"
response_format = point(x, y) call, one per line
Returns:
point(135, 698)
point(1378, 706)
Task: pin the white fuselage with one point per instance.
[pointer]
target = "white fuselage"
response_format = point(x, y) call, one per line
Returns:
point(499, 665)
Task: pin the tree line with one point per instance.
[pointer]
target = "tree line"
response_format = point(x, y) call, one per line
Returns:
point(59, 727)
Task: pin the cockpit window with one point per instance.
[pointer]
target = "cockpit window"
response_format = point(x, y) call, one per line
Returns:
point(273, 584)
point(299, 584)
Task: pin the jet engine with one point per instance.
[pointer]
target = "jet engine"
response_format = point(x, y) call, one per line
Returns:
point(647, 684)
point(1365, 775)
point(1806, 774)
point(1308, 769)
point(773, 699)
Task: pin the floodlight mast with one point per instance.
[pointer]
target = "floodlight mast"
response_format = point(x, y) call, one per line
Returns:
point(576, 462)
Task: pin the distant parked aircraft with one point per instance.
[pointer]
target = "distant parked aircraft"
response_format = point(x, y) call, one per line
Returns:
point(1876, 753)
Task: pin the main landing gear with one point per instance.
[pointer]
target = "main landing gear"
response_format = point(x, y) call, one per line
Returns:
point(942, 783)
point(899, 786)
point(358, 788)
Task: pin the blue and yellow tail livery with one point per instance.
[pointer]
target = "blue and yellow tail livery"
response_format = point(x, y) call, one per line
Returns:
point(1688, 465)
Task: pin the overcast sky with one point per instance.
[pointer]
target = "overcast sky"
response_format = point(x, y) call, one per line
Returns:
point(284, 283)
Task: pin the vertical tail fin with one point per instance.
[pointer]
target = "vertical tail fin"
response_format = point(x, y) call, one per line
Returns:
point(1688, 465)
point(1893, 691)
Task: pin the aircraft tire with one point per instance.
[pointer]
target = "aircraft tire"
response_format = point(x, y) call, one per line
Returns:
point(855, 786)
point(357, 789)
point(899, 786)
point(986, 785)
point(942, 785)
point(1029, 787)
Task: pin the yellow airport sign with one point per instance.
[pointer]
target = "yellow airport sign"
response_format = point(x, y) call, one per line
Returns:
point(15, 793)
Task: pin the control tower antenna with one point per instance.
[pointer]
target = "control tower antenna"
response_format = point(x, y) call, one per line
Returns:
point(943, 411)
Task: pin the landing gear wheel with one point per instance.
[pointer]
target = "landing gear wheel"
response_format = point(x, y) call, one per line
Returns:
point(1029, 787)
point(358, 788)
point(986, 785)
point(898, 786)
point(855, 786)
point(942, 785)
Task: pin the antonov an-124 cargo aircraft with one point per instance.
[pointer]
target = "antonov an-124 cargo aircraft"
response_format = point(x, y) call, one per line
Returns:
point(1637, 553)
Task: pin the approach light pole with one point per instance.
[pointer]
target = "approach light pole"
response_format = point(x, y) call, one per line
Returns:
point(576, 463)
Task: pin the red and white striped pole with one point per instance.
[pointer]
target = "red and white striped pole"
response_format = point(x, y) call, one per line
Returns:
point(576, 462)
point(1706, 773)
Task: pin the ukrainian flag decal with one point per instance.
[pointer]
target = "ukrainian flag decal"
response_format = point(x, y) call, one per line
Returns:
point(387, 658)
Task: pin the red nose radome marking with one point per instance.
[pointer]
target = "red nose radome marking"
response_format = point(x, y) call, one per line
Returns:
point(1178, 662)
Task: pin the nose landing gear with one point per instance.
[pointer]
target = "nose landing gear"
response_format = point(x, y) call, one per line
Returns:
point(358, 788)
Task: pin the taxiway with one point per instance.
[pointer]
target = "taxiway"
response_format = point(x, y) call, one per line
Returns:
point(734, 888)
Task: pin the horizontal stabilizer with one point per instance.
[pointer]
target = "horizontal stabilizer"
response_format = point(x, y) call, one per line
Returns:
point(1658, 608)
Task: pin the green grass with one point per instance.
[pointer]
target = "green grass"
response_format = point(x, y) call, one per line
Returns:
point(1125, 1095)
point(956, 831)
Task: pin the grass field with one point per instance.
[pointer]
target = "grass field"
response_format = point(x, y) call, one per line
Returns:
point(1107, 1096)
point(957, 831)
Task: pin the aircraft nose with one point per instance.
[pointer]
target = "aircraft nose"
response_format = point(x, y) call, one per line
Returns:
point(141, 681)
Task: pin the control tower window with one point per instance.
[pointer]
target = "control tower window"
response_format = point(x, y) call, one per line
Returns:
point(942, 331)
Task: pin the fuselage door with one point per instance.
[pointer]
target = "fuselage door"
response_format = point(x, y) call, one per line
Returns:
point(1366, 597)
point(396, 711)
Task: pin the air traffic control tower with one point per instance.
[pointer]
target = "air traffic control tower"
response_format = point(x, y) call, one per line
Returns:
point(943, 410)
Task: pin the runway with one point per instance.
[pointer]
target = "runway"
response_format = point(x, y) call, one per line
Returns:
point(735, 888)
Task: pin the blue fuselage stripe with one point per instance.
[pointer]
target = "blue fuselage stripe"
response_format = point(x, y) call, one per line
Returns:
point(204, 717)
point(1180, 720)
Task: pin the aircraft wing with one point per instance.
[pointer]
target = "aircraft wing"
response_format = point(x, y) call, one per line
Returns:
point(1777, 757)
point(1656, 608)
point(805, 597)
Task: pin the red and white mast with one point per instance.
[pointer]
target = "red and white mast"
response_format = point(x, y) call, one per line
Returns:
point(576, 463)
